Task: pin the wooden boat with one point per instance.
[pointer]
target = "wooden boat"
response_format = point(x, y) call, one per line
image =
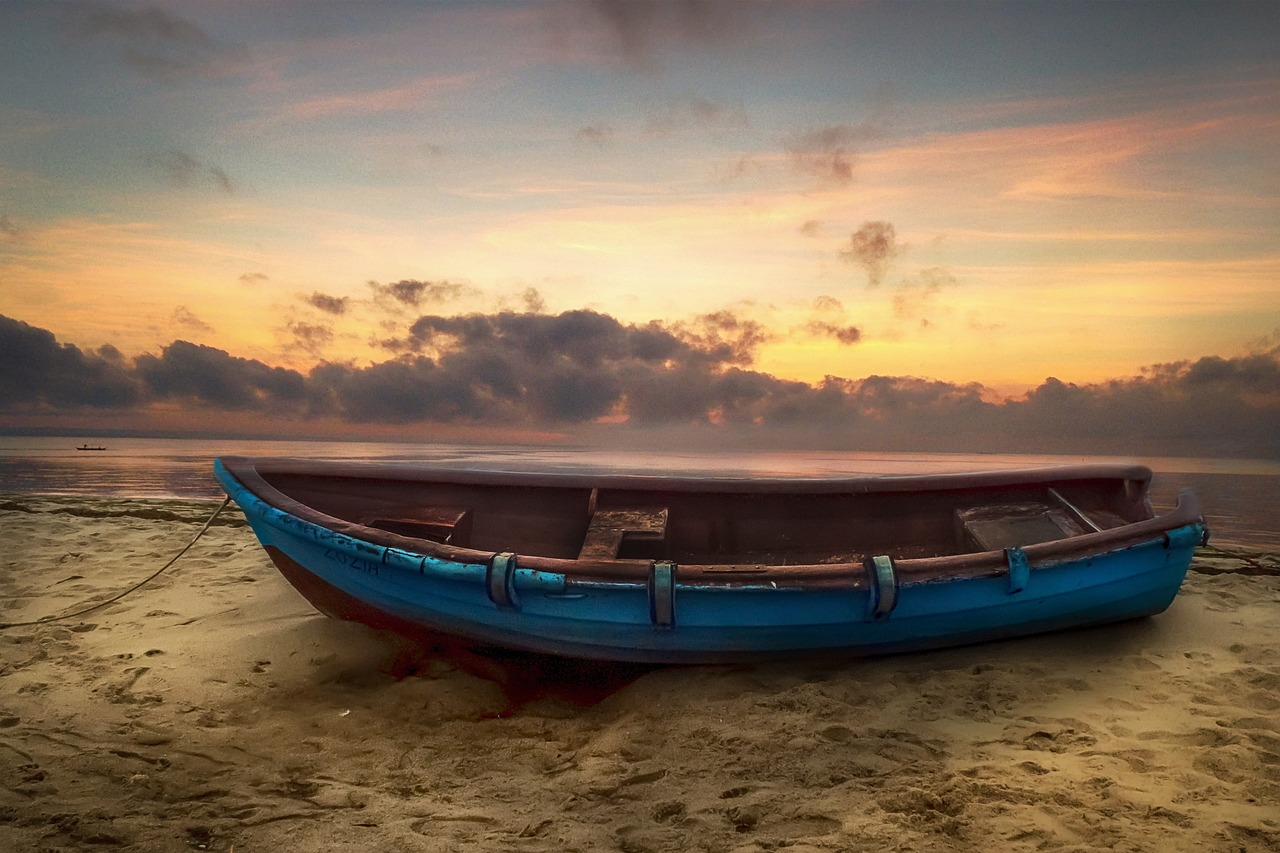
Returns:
point(686, 570)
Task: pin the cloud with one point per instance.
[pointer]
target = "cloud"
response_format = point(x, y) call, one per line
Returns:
point(179, 167)
point(688, 113)
point(641, 30)
point(731, 338)
point(336, 305)
point(695, 112)
point(222, 180)
point(829, 153)
point(746, 166)
point(572, 367)
point(312, 338)
point(9, 229)
point(183, 316)
point(253, 278)
point(842, 334)
point(1266, 344)
point(599, 134)
point(533, 301)
point(873, 246)
point(910, 401)
point(35, 370)
point(189, 372)
point(158, 44)
point(582, 337)
point(915, 295)
point(395, 392)
point(830, 310)
point(1257, 374)
point(407, 98)
point(1208, 406)
point(560, 368)
point(586, 368)
point(412, 293)
point(182, 170)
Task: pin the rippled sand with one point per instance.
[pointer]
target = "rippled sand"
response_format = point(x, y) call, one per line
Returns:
point(213, 709)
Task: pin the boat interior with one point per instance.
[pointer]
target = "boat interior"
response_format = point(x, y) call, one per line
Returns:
point(734, 524)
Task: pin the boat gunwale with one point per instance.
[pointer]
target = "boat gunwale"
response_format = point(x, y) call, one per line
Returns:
point(248, 471)
point(856, 484)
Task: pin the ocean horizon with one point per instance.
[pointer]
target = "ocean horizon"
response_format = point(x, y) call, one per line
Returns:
point(1241, 497)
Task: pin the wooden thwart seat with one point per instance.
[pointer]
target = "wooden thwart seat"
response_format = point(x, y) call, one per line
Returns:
point(448, 525)
point(609, 527)
point(1014, 525)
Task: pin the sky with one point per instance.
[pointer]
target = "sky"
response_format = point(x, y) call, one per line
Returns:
point(781, 216)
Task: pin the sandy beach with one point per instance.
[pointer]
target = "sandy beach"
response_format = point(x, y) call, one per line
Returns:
point(215, 710)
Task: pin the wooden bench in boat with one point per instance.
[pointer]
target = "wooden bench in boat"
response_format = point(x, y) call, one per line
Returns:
point(609, 528)
point(448, 525)
point(994, 527)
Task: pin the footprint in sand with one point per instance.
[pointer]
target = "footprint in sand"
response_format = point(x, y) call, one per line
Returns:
point(668, 812)
point(734, 793)
point(1058, 741)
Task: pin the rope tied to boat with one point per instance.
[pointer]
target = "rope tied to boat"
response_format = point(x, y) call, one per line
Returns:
point(1255, 563)
point(44, 620)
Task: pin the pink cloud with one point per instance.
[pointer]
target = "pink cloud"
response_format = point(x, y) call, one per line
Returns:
point(392, 99)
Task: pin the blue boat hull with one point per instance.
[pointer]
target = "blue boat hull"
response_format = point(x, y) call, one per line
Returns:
point(547, 611)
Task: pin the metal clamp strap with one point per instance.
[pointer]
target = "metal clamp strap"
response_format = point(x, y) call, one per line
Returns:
point(884, 586)
point(1019, 569)
point(500, 581)
point(662, 591)
point(1187, 536)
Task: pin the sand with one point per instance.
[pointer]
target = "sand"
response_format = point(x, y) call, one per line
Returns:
point(215, 710)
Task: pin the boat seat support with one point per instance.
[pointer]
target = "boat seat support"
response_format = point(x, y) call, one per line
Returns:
point(1019, 569)
point(884, 586)
point(609, 527)
point(662, 594)
point(500, 581)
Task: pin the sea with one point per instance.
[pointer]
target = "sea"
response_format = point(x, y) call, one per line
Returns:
point(1241, 497)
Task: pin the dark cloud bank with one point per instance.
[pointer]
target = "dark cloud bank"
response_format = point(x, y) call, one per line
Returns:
point(590, 376)
point(161, 46)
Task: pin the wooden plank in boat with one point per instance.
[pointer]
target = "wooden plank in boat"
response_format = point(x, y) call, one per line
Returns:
point(448, 525)
point(999, 526)
point(609, 527)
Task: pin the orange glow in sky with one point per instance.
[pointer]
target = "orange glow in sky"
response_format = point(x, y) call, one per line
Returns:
point(1071, 190)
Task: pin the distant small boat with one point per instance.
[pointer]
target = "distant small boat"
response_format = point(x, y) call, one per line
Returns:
point(696, 570)
point(87, 447)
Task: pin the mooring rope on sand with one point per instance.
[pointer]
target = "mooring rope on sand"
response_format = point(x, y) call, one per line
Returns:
point(1258, 563)
point(139, 585)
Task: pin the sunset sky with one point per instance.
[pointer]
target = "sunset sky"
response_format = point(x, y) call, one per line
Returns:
point(991, 193)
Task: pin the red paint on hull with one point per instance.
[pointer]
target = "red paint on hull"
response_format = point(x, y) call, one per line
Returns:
point(524, 677)
point(333, 602)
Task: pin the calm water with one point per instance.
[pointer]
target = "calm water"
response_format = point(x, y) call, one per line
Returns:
point(1241, 497)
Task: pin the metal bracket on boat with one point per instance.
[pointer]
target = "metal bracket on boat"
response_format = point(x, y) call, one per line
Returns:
point(884, 586)
point(1188, 536)
point(500, 581)
point(1019, 569)
point(662, 593)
